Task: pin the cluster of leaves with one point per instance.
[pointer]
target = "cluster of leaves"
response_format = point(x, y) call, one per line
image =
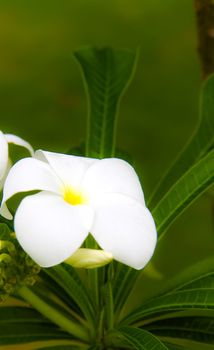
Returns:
point(85, 310)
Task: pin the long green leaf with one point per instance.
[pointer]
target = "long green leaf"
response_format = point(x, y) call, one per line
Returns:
point(187, 189)
point(201, 142)
point(67, 278)
point(175, 347)
point(17, 333)
point(19, 314)
point(58, 291)
point(188, 278)
point(106, 74)
point(123, 284)
point(141, 339)
point(60, 347)
point(196, 299)
point(198, 329)
point(191, 185)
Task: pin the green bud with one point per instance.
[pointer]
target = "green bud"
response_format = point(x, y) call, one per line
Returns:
point(89, 258)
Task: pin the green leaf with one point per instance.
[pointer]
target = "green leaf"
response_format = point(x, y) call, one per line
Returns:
point(197, 329)
point(119, 153)
point(9, 223)
point(106, 74)
point(124, 280)
point(4, 232)
point(67, 278)
point(195, 299)
point(201, 142)
point(175, 347)
point(190, 186)
point(140, 339)
point(59, 347)
point(18, 314)
point(22, 333)
point(57, 290)
point(191, 276)
point(22, 324)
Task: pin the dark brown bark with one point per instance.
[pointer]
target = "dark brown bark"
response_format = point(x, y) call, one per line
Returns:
point(205, 24)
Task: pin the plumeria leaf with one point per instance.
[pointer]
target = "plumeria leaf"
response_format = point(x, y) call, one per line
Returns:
point(51, 300)
point(59, 292)
point(190, 186)
point(4, 232)
point(67, 278)
point(201, 142)
point(22, 325)
point(196, 299)
point(124, 280)
point(27, 332)
point(190, 277)
point(197, 329)
point(20, 314)
point(140, 339)
point(175, 347)
point(119, 153)
point(106, 73)
point(60, 347)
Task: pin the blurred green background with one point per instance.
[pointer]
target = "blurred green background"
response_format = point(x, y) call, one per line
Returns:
point(42, 98)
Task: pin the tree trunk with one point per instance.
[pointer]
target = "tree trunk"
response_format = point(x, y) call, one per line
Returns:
point(205, 24)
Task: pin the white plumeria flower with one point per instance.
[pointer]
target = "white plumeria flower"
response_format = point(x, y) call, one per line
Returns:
point(80, 195)
point(5, 163)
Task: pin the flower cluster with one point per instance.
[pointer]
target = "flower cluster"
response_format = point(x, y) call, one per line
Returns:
point(16, 267)
point(78, 196)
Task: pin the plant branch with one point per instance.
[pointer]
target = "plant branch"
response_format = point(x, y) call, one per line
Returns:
point(205, 23)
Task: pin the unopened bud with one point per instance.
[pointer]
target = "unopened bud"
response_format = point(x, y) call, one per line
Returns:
point(89, 258)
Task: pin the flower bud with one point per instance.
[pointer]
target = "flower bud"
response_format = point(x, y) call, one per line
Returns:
point(89, 258)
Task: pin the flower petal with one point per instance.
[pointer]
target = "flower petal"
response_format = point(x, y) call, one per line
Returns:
point(3, 155)
point(9, 166)
point(26, 175)
point(49, 229)
point(125, 228)
point(19, 142)
point(112, 175)
point(70, 169)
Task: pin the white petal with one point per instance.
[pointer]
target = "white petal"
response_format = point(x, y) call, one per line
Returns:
point(29, 174)
point(3, 155)
point(9, 165)
point(19, 142)
point(70, 169)
point(49, 229)
point(125, 228)
point(112, 175)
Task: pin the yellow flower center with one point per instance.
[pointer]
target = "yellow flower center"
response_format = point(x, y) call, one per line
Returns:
point(73, 197)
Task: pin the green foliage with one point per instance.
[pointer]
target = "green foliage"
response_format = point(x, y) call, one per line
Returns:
point(106, 73)
point(141, 339)
point(198, 329)
point(67, 278)
point(85, 308)
point(189, 186)
point(197, 147)
point(22, 324)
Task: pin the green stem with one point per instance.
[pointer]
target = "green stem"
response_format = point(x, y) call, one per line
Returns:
point(109, 300)
point(54, 315)
point(110, 306)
